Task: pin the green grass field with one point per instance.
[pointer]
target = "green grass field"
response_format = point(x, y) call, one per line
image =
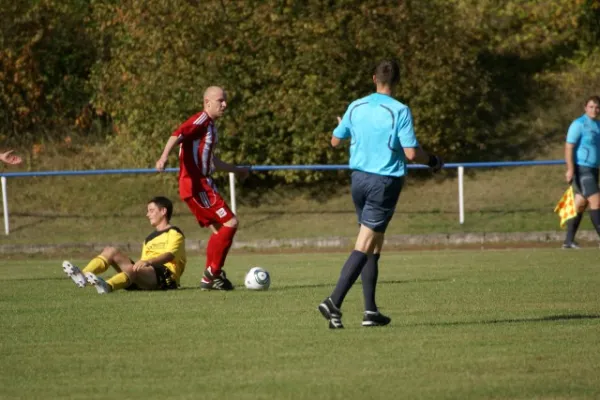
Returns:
point(519, 324)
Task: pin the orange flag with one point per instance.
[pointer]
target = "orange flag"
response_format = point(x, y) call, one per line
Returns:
point(566, 206)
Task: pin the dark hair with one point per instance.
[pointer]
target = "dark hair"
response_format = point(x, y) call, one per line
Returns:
point(595, 99)
point(387, 72)
point(163, 202)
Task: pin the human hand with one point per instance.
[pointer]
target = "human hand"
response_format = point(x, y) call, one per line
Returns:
point(10, 159)
point(339, 120)
point(569, 176)
point(141, 264)
point(435, 163)
point(160, 164)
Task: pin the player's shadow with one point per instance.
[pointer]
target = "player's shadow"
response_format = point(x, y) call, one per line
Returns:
point(327, 284)
point(332, 284)
point(548, 318)
point(41, 278)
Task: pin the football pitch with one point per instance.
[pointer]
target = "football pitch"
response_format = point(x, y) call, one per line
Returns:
point(506, 324)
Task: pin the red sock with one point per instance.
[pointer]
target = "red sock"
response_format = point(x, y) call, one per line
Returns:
point(213, 243)
point(224, 240)
point(210, 249)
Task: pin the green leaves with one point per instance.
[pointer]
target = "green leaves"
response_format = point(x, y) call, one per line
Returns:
point(471, 71)
point(45, 59)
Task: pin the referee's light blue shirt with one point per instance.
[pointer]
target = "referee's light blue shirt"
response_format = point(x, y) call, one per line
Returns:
point(584, 133)
point(379, 128)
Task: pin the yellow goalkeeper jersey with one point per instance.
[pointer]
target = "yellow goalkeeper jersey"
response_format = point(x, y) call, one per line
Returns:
point(170, 240)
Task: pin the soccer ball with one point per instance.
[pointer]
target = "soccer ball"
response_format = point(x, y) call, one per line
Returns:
point(257, 279)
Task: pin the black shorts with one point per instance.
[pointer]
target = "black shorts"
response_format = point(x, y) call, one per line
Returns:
point(375, 198)
point(164, 279)
point(585, 181)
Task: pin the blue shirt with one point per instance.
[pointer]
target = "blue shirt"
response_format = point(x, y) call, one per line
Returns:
point(584, 133)
point(379, 128)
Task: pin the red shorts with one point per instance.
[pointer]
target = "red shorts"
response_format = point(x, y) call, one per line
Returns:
point(208, 206)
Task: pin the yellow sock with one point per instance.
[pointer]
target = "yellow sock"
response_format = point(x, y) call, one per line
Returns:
point(119, 281)
point(98, 265)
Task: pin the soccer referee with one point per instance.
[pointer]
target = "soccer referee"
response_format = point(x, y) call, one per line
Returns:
point(382, 138)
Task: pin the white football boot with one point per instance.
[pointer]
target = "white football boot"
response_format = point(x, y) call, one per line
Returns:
point(100, 284)
point(74, 273)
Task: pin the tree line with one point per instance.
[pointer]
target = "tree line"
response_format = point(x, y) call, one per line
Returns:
point(486, 80)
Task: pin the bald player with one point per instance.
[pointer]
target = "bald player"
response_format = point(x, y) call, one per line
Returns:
point(197, 139)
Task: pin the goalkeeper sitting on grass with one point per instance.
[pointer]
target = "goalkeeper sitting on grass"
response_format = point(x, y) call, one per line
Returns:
point(159, 268)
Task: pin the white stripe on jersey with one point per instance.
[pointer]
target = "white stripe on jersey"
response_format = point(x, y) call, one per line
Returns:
point(195, 145)
point(212, 185)
point(206, 150)
point(205, 199)
point(200, 204)
point(200, 119)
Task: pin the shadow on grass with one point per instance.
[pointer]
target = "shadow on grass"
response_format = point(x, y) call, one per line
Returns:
point(325, 284)
point(241, 286)
point(56, 278)
point(332, 284)
point(549, 318)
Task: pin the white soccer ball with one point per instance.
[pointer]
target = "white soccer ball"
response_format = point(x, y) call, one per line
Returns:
point(257, 279)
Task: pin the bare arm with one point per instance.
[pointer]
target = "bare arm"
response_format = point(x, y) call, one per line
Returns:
point(162, 161)
point(416, 155)
point(163, 258)
point(420, 156)
point(570, 160)
point(9, 158)
point(175, 245)
point(335, 142)
point(221, 165)
point(158, 260)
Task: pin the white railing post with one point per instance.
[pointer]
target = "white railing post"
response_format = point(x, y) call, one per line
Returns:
point(232, 191)
point(4, 205)
point(461, 197)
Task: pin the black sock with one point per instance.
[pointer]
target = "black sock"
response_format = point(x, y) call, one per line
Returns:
point(572, 226)
point(369, 276)
point(595, 217)
point(350, 272)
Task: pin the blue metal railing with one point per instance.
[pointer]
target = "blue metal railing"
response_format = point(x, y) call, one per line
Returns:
point(459, 166)
point(277, 168)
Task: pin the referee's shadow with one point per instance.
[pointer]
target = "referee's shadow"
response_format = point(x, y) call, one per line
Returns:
point(548, 318)
point(325, 284)
point(332, 284)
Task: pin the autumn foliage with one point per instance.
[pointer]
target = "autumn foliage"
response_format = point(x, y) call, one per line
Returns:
point(479, 75)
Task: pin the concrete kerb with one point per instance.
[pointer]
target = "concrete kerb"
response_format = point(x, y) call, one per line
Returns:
point(519, 239)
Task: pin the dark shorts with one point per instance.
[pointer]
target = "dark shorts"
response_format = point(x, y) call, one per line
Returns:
point(164, 279)
point(375, 197)
point(585, 181)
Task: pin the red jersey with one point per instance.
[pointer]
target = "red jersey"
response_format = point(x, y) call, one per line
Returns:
point(195, 152)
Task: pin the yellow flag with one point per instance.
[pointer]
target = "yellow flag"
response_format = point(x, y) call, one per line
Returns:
point(566, 206)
